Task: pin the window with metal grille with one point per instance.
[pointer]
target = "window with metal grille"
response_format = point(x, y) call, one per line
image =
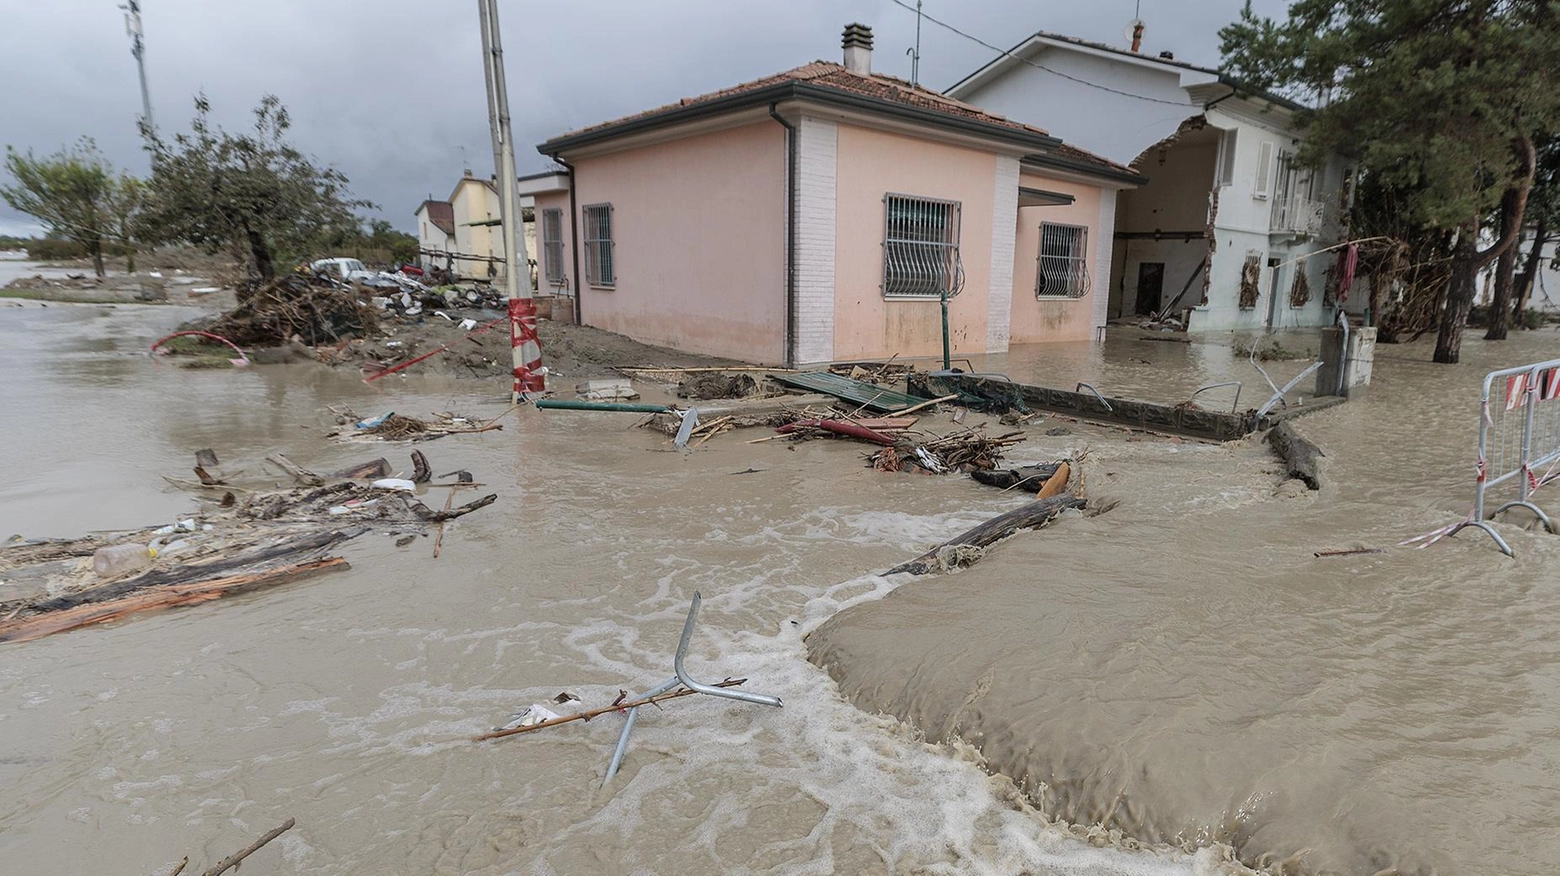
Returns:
point(1064, 269)
point(921, 247)
point(600, 266)
point(552, 244)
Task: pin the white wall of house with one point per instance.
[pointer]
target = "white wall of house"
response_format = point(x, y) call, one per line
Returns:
point(1220, 174)
point(431, 237)
point(1107, 124)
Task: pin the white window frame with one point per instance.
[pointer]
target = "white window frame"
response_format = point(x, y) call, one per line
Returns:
point(600, 252)
point(552, 245)
point(1263, 184)
point(921, 247)
point(1062, 276)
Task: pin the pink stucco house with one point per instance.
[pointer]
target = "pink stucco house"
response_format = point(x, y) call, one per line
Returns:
point(817, 214)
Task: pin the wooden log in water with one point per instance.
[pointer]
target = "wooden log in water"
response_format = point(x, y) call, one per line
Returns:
point(162, 596)
point(1031, 516)
point(371, 470)
point(1298, 454)
point(1028, 478)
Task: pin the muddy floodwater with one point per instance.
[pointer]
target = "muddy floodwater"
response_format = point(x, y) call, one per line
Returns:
point(1181, 669)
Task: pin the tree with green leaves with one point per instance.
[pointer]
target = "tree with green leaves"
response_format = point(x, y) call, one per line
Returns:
point(72, 192)
point(1441, 98)
point(253, 191)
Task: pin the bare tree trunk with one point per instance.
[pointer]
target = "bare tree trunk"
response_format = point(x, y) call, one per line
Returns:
point(1529, 278)
point(95, 249)
point(1467, 259)
point(1459, 299)
point(1505, 268)
point(261, 254)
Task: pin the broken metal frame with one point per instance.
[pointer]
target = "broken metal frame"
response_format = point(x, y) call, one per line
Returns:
point(1278, 395)
point(683, 679)
point(1522, 467)
point(1090, 388)
point(1234, 406)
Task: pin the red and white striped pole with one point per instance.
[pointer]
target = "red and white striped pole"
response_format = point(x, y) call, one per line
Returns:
point(527, 350)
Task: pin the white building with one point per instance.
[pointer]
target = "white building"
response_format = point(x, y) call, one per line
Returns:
point(464, 235)
point(1226, 215)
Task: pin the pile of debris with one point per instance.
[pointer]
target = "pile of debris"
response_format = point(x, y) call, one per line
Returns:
point(878, 373)
point(314, 310)
point(968, 450)
point(393, 426)
point(245, 537)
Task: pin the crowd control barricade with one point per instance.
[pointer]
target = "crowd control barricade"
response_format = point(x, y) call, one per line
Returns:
point(1519, 443)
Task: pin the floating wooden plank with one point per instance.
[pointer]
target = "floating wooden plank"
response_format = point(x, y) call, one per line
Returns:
point(857, 392)
point(161, 596)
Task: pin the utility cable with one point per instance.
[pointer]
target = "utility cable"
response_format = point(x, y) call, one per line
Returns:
point(1005, 53)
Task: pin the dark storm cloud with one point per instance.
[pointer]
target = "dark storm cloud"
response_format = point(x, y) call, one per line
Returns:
point(391, 91)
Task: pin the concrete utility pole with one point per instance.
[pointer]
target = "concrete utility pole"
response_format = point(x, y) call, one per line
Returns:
point(138, 49)
point(522, 305)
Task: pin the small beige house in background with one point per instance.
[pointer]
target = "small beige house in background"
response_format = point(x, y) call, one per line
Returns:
point(464, 234)
point(818, 215)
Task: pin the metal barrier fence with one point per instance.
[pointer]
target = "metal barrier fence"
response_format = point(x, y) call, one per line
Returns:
point(1519, 441)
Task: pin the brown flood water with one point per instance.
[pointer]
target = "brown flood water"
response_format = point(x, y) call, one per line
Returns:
point(1184, 669)
point(1183, 653)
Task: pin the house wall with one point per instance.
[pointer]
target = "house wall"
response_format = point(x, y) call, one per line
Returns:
point(699, 240)
point(559, 201)
point(871, 164)
point(1114, 126)
point(431, 237)
point(1243, 224)
point(473, 201)
point(1037, 320)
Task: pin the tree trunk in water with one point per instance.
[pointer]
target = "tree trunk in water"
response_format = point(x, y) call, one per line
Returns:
point(1459, 299)
point(1529, 277)
point(261, 254)
point(95, 249)
point(1505, 267)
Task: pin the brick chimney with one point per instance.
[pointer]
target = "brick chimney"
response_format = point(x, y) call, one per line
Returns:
point(857, 42)
point(1137, 36)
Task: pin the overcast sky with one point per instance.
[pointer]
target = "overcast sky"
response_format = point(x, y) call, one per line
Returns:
point(391, 91)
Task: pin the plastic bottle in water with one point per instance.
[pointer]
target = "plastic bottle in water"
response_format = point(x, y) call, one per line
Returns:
point(110, 562)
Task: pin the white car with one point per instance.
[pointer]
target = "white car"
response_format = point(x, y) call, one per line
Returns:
point(349, 270)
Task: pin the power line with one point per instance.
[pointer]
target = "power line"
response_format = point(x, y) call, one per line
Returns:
point(1004, 52)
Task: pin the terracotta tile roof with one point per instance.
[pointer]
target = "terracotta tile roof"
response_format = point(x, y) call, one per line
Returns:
point(826, 74)
point(441, 214)
point(1083, 156)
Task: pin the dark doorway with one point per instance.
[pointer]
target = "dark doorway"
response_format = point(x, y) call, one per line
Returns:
point(1151, 287)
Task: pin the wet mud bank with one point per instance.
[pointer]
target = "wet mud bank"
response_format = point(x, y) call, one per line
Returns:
point(1187, 670)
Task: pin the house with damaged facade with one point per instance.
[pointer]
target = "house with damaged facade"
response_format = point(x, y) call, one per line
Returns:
point(822, 214)
point(1226, 233)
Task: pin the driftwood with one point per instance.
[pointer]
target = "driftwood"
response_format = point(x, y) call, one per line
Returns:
point(291, 549)
point(231, 861)
point(423, 512)
point(299, 473)
point(1031, 516)
point(1298, 454)
point(1028, 478)
point(160, 596)
point(621, 704)
point(1056, 483)
point(375, 468)
point(422, 473)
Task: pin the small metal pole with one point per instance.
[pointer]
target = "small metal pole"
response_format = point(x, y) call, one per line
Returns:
point(947, 362)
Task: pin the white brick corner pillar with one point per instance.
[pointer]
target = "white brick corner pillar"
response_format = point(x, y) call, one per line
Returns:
point(1004, 229)
point(817, 149)
point(1104, 258)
